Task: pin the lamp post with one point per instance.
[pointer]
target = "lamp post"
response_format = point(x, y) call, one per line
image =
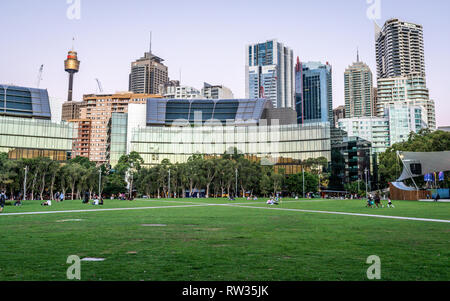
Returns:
point(365, 172)
point(25, 184)
point(99, 182)
point(131, 183)
point(169, 183)
point(236, 183)
point(303, 172)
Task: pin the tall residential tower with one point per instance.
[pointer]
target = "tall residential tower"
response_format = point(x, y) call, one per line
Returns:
point(269, 73)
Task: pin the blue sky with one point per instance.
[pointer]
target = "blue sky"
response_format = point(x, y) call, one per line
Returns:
point(206, 40)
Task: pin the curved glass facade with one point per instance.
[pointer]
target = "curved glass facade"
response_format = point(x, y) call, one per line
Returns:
point(24, 102)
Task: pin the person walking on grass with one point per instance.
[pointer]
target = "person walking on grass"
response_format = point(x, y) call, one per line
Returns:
point(437, 198)
point(390, 205)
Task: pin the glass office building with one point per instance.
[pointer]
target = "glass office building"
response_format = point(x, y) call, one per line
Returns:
point(32, 138)
point(238, 125)
point(24, 102)
point(314, 93)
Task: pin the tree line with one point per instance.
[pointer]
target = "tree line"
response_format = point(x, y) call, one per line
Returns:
point(229, 174)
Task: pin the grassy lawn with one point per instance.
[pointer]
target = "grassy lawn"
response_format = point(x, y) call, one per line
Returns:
point(224, 242)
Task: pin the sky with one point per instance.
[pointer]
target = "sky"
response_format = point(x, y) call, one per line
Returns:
point(204, 40)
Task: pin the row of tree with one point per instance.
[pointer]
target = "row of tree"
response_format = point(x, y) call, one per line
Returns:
point(210, 176)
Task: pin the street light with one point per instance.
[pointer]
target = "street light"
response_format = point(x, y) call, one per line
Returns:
point(303, 172)
point(237, 183)
point(99, 182)
point(25, 184)
point(169, 183)
point(365, 172)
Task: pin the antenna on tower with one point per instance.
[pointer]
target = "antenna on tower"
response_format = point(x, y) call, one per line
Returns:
point(357, 54)
point(150, 50)
point(73, 43)
point(41, 69)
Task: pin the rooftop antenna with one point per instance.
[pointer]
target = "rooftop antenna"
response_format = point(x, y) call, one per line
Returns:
point(73, 43)
point(41, 69)
point(357, 54)
point(150, 50)
point(180, 76)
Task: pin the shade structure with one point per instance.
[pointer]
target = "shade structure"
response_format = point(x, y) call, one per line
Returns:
point(420, 164)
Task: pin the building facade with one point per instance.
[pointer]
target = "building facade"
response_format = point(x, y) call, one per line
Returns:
point(182, 92)
point(410, 90)
point(405, 119)
point(186, 127)
point(399, 49)
point(316, 93)
point(32, 138)
point(24, 102)
point(372, 129)
point(338, 113)
point(148, 74)
point(98, 110)
point(359, 97)
point(71, 110)
point(269, 73)
point(216, 92)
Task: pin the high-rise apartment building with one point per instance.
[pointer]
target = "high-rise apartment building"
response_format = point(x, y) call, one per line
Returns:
point(358, 90)
point(148, 74)
point(98, 110)
point(401, 68)
point(216, 92)
point(269, 73)
point(314, 93)
point(410, 89)
point(399, 49)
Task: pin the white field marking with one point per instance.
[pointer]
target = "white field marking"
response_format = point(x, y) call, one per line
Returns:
point(346, 213)
point(101, 210)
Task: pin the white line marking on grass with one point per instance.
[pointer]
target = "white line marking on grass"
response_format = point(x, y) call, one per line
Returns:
point(346, 213)
point(101, 210)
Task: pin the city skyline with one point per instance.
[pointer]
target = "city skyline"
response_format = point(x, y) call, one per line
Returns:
point(103, 45)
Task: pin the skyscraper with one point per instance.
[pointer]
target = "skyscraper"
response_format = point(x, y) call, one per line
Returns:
point(399, 49)
point(314, 94)
point(269, 73)
point(148, 74)
point(358, 90)
point(401, 68)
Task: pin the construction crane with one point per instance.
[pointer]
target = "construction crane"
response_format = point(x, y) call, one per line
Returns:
point(100, 88)
point(41, 69)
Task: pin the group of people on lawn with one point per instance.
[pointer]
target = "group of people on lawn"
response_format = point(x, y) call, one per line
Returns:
point(373, 201)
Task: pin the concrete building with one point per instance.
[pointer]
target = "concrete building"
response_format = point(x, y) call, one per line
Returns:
point(214, 127)
point(182, 92)
point(373, 129)
point(444, 128)
point(399, 49)
point(148, 74)
point(216, 92)
point(269, 73)
point(314, 92)
point(359, 97)
point(410, 89)
point(99, 109)
point(71, 110)
point(338, 113)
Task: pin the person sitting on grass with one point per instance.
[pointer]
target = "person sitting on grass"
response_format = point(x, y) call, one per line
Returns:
point(47, 203)
point(95, 202)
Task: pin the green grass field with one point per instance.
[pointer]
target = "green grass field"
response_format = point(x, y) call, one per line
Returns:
point(214, 239)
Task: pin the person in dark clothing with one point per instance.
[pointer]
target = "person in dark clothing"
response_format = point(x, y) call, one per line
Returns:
point(86, 198)
point(2, 200)
point(437, 198)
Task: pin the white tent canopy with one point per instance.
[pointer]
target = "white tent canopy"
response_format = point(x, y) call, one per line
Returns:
point(420, 164)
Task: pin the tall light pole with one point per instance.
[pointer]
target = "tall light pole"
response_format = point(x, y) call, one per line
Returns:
point(237, 183)
point(169, 183)
point(99, 182)
point(131, 183)
point(25, 184)
point(365, 172)
point(303, 172)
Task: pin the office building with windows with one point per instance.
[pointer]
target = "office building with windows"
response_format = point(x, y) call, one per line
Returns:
point(216, 92)
point(359, 96)
point(148, 74)
point(269, 73)
point(177, 129)
point(314, 92)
